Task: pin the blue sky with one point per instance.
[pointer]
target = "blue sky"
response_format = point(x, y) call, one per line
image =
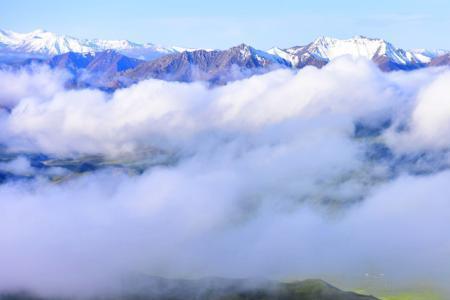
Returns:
point(221, 24)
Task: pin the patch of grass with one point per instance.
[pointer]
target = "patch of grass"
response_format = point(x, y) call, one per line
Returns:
point(413, 296)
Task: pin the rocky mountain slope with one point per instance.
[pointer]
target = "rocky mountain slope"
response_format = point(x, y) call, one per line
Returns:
point(214, 66)
point(443, 60)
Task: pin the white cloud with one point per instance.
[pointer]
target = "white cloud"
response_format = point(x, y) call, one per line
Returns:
point(36, 82)
point(90, 121)
point(268, 181)
point(429, 118)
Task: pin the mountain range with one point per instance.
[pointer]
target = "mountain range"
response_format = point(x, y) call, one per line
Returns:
point(41, 43)
point(110, 64)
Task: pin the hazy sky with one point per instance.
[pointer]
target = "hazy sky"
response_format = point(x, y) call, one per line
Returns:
point(220, 24)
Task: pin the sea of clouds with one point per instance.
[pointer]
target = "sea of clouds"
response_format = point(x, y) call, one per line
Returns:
point(268, 177)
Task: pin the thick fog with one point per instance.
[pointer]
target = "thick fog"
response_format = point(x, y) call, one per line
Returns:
point(340, 172)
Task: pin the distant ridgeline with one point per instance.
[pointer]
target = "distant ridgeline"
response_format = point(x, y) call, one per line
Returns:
point(156, 288)
point(111, 64)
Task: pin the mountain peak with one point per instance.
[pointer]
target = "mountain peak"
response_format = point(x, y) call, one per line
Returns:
point(243, 46)
point(244, 50)
point(359, 46)
point(357, 38)
point(324, 40)
point(38, 31)
point(363, 37)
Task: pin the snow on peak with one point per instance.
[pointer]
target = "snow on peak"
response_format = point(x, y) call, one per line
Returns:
point(263, 57)
point(283, 54)
point(111, 44)
point(39, 31)
point(359, 46)
point(328, 48)
point(42, 42)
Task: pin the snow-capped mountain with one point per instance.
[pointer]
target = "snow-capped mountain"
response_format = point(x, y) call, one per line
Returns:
point(359, 46)
point(40, 42)
point(325, 49)
point(45, 44)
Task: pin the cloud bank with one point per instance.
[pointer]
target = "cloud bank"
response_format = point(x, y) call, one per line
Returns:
point(284, 176)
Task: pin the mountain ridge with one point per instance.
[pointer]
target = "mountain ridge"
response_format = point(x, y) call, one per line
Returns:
point(44, 42)
point(214, 288)
point(47, 44)
point(118, 63)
